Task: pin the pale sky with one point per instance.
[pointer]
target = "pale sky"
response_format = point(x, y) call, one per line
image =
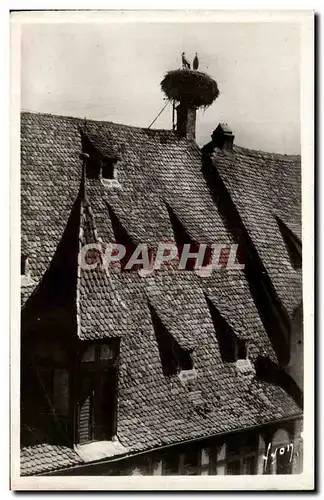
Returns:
point(113, 72)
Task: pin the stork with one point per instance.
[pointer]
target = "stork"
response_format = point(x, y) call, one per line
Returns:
point(195, 63)
point(185, 62)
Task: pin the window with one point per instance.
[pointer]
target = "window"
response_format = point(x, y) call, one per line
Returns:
point(100, 157)
point(184, 461)
point(144, 467)
point(107, 169)
point(233, 467)
point(217, 462)
point(98, 390)
point(170, 464)
point(89, 355)
point(184, 360)
point(191, 462)
point(241, 349)
point(242, 454)
point(99, 354)
point(109, 173)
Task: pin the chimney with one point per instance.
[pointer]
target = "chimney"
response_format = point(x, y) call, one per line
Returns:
point(190, 90)
point(223, 137)
point(186, 121)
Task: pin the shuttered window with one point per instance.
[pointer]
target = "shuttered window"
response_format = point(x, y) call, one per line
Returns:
point(98, 391)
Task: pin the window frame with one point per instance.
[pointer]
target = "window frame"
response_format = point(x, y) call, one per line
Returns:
point(100, 363)
point(108, 163)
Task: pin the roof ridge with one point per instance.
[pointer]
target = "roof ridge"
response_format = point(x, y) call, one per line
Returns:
point(98, 122)
point(260, 152)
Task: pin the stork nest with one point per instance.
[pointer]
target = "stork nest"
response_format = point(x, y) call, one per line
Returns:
point(193, 88)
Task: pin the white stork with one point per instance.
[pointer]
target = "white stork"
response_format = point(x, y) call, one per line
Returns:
point(185, 62)
point(195, 63)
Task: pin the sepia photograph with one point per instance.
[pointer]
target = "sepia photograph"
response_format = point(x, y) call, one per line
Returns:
point(162, 192)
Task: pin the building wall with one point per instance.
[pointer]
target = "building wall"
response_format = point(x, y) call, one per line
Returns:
point(269, 450)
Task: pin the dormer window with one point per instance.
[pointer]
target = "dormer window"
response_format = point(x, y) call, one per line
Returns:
point(100, 156)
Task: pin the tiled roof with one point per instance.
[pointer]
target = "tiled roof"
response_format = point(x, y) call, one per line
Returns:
point(42, 458)
point(154, 410)
point(170, 168)
point(155, 168)
point(262, 186)
point(50, 179)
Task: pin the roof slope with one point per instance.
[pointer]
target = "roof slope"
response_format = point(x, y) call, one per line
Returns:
point(153, 409)
point(50, 179)
point(264, 186)
point(155, 168)
point(45, 457)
